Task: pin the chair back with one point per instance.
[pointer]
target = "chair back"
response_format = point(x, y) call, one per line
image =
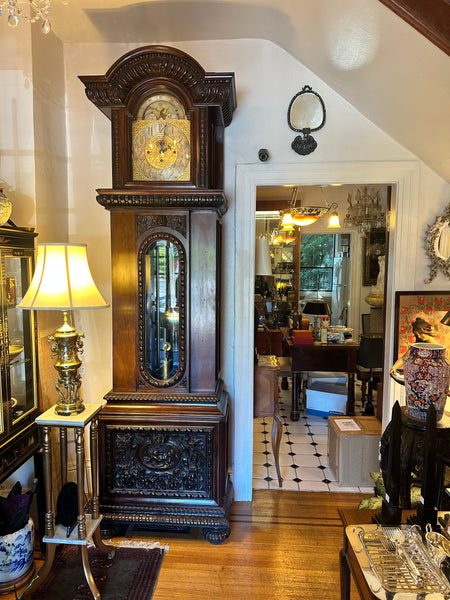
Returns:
point(365, 322)
point(370, 353)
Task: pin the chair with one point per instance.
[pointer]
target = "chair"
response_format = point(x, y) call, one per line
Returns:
point(369, 366)
point(365, 322)
point(285, 365)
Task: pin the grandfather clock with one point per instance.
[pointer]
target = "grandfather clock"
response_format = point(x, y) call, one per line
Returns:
point(164, 430)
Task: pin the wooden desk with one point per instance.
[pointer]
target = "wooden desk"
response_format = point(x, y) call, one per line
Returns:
point(321, 357)
point(265, 401)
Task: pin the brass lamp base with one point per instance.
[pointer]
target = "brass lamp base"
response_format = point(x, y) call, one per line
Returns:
point(65, 344)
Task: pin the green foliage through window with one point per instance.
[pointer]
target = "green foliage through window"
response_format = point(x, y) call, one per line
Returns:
point(316, 262)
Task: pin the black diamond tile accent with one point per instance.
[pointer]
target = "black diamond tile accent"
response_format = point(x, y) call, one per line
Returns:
point(317, 454)
point(292, 453)
point(321, 467)
point(310, 434)
point(297, 480)
point(314, 444)
point(265, 442)
point(265, 432)
point(287, 432)
point(267, 465)
point(326, 481)
point(294, 466)
point(290, 443)
point(268, 479)
point(266, 452)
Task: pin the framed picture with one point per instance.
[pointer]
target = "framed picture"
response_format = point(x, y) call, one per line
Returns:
point(374, 245)
point(418, 319)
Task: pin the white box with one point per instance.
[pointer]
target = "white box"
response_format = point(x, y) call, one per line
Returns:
point(354, 454)
point(326, 377)
point(325, 398)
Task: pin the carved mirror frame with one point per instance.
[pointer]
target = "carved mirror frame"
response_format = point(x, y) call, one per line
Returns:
point(437, 242)
point(304, 143)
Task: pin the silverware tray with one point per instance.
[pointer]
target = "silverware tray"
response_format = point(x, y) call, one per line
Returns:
point(399, 559)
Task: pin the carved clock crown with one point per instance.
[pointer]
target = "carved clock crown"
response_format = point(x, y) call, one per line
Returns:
point(178, 141)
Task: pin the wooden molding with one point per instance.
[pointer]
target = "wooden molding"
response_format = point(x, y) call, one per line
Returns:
point(431, 19)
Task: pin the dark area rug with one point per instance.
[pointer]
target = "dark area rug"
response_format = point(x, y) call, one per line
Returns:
point(131, 574)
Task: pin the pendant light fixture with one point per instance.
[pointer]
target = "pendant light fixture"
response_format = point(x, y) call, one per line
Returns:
point(301, 216)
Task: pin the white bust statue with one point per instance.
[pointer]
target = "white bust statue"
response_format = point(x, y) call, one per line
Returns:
point(379, 287)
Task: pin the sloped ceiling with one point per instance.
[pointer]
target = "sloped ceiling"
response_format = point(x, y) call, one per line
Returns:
point(382, 66)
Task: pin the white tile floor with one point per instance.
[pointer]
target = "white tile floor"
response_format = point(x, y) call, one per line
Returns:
point(303, 452)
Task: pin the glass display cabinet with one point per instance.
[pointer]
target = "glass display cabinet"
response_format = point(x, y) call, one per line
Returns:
point(18, 352)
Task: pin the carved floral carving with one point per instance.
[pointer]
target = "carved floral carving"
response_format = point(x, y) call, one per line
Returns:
point(162, 462)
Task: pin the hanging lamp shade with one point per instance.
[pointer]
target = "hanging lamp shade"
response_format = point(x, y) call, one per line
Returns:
point(334, 220)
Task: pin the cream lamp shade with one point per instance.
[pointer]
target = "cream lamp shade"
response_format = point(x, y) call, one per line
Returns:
point(62, 280)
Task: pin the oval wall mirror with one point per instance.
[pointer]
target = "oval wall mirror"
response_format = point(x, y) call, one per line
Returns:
point(306, 113)
point(438, 246)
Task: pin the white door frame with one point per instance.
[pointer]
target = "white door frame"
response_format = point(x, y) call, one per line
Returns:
point(404, 176)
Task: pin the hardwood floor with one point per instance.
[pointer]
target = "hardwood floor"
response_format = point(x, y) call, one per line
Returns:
point(283, 546)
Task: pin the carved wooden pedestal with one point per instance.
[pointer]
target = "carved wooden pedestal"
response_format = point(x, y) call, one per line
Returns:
point(164, 469)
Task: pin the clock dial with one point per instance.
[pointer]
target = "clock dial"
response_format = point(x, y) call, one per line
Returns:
point(161, 149)
point(161, 106)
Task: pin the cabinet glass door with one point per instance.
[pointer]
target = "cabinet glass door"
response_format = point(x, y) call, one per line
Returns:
point(21, 354)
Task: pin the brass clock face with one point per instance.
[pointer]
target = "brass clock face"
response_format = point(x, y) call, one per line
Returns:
point(161, 141)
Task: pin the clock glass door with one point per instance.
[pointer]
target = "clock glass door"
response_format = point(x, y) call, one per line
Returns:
point(162, 343)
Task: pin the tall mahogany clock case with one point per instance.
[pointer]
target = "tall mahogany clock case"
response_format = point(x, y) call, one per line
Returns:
point(164, 430)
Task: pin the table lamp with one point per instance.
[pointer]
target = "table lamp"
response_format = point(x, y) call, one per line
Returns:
point(316, 308)
point(62, 281)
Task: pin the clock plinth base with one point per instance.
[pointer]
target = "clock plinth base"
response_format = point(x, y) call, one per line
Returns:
point(166, 465)
point(214, 523)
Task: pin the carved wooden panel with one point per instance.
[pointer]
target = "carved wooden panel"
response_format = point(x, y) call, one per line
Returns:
point(163, 462)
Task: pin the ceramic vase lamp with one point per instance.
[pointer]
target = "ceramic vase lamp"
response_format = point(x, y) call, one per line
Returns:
point(426, 377)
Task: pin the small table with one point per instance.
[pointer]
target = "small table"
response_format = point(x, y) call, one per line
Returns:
point(87, 524)
point(349, 564)
point(265, 401)
point(321, 357)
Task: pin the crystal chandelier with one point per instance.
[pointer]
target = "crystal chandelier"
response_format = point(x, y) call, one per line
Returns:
point(366, 211)
point(39, 9)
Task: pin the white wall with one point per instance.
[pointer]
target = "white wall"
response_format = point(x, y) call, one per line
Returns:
point(266, 79)
point(350, 148)
point(17, 172)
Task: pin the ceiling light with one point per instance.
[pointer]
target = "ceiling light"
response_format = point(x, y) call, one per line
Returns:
point(39, 9)
point(334, 220)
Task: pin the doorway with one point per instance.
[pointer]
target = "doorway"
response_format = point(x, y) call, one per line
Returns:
point(403, 176)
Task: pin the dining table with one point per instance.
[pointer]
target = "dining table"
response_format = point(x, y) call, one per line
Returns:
point(320, 356)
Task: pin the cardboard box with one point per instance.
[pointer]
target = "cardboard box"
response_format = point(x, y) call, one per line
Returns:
point(323, 399)
point(353, 449)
